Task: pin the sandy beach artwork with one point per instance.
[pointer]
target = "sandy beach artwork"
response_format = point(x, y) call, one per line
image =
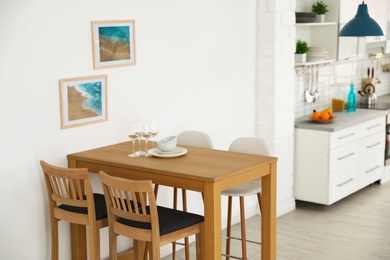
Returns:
point(83, 100)
point(113, 43)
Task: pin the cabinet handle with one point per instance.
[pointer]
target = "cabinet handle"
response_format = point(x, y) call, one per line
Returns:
point(373, 169)
point(373, 126)
point(345, 182)
point(345, 136)
point(370, 146)
point(345, 156)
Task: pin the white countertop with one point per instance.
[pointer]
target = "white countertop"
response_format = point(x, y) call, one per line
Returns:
point(343, 119)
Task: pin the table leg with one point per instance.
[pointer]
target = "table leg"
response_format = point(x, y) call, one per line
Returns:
point(268, 215)
point(212, 222)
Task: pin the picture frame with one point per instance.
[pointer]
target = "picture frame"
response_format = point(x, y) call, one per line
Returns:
point(83, 100)
point(113, 43)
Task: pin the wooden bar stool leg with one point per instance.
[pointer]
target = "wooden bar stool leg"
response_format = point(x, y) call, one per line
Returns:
point(228, 228)
point(54, 239)
point(94, 244)
point(259, 199)
point(175, 207)
point(155, 190)
point(186, 240)
point(112, 239)
point(243, 228)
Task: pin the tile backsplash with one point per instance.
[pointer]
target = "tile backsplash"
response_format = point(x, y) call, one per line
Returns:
point(334, 80)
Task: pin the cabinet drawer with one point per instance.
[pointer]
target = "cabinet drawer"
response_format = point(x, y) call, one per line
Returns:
point(371, 163)
point(372, 148)
point(343, 137)
point(343, 182)
point(343, 156)
point(370, 174)
point(372, 127)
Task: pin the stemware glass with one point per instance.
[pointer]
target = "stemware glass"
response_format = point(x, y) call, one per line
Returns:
point(131, 132)
point(139, 131)
point(147, 134)
point(153, 128)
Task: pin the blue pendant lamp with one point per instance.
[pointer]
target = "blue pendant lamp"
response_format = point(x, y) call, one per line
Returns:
point(362, 25)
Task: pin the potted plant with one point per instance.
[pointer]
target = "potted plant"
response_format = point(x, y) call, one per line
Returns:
point(301, 49)
point(320, 8)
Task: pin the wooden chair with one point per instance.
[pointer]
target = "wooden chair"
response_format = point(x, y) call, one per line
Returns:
point(249, 145)
point(71, 199)
point(133, 213)
point(189, 138)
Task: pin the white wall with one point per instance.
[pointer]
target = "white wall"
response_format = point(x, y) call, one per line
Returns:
point(195, 70)
point(275, 90)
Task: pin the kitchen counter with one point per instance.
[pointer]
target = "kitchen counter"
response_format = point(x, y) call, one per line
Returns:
point(343, 119)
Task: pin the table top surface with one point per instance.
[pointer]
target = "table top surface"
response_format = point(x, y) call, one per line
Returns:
point(202, 164)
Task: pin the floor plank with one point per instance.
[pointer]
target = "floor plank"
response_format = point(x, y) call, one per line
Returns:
point(355, 228)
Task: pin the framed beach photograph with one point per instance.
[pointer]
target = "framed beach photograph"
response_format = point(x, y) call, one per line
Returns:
point(113, 43)
point(83, 100)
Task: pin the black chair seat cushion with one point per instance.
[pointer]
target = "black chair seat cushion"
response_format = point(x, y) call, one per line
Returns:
point(170, 220)
point(100, 207)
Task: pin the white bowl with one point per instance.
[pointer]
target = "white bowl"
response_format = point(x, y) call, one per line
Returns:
point(167, 144)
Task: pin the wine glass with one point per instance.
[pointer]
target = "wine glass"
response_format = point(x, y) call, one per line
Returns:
point(131, 132)
point(147, 134)
point(153, 128)
point(139, 127)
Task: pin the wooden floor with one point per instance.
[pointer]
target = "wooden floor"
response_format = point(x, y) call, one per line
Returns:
point(355, 228)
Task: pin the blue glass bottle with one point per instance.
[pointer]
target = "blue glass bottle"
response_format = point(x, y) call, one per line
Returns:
point(352, 99)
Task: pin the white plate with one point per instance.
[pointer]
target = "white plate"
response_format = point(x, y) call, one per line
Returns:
point(179, 151)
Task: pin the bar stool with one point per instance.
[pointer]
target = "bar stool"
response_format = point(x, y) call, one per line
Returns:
point(71, 199)
point(249, 145)
point(195, 139)
point(133, 213)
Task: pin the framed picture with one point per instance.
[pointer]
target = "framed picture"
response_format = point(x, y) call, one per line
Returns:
point(113, 43)
point(83, 100)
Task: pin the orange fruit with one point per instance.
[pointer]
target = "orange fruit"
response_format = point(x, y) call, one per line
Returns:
point(325, 116)
point(316, 115)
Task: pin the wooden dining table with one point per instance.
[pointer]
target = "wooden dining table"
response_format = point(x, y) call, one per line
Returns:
point(209, 171)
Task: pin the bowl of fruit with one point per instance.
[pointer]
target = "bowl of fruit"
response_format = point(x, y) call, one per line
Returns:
point(323, 117)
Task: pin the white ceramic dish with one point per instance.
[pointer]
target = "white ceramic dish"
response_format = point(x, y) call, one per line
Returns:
point(178, 151)
point(167, 144)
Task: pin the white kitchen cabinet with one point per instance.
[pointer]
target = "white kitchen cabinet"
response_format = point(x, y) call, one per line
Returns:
point(331, 165)
point(340, 12)
point(386, 176)
point(378, 11)
point(354, 47)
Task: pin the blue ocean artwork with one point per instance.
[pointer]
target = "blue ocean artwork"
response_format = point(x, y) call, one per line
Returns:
point(93, 91)
point(115, 33)
point(114, 43)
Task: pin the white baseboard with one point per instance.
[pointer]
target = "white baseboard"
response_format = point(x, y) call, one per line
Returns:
point(285, 207)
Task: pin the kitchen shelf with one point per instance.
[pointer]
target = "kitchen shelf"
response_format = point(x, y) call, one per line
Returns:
point(314, 63)
point(318, 34)
point(316, 24)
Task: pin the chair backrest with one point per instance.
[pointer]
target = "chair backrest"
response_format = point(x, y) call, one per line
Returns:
point(131, 206)
point(252, 145)
point(68, 187)
point(195, 138)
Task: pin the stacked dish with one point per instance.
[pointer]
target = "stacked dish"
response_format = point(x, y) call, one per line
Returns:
point(305, 17)
point(317, 54)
